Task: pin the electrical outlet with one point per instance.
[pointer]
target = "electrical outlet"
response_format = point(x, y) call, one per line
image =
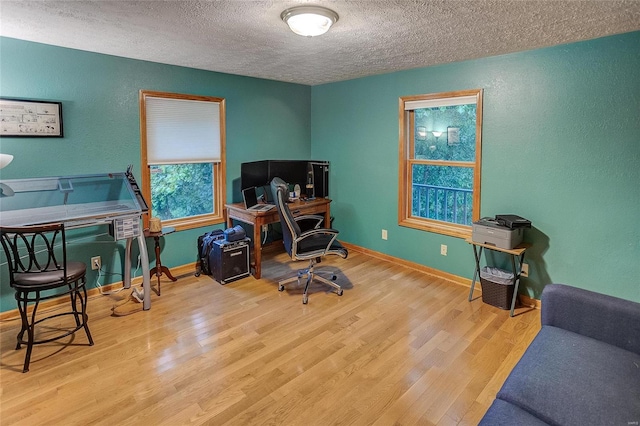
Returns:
point(443, 249)
point(265, 228)
point(96, 263)
point(524, 272)
point(384, 234)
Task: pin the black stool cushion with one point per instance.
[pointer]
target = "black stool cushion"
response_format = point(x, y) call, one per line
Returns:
point(49, 279)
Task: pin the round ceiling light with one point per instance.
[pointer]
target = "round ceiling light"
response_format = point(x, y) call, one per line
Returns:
point(309, 21)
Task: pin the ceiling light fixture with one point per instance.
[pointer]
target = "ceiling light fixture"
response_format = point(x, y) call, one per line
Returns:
point(309, 21)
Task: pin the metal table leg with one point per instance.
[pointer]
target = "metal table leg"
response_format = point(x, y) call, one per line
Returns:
point(516, 278)
point(144, 260)
point(146, 281)
point(476, 274)
point(126, 273)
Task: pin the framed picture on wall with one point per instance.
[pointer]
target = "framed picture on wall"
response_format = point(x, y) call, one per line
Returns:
point(453, 135)
point(28, 118)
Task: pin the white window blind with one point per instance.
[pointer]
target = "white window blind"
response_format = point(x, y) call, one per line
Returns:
point(182, 131)
point(439, 102)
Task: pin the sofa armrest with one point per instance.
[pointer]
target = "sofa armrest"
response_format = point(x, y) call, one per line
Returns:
point(609, 319)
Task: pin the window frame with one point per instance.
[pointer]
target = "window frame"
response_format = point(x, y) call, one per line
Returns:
point(219, 168)
point(407, 161)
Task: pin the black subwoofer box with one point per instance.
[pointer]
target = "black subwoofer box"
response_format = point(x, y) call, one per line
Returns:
point(229, 261)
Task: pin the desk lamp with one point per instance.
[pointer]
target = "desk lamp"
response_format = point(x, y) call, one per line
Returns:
point(5, 159)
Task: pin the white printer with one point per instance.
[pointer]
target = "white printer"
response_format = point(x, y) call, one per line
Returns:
point(505, 231)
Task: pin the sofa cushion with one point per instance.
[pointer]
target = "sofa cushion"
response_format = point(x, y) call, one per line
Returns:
point(503, 413)
point(601, 317)
point(565, 378)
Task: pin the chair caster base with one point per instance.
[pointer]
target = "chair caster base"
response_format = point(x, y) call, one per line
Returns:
point(339, 292)
point(280, 287)
point(305, 299)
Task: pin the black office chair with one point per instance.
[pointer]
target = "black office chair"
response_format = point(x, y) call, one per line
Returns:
point(309, 245)
point(36, 274)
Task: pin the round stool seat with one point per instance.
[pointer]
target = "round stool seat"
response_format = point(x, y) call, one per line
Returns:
point(48, 279)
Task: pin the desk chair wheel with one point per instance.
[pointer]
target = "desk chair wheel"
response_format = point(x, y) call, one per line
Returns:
point(280, 287)
point(305, 299)
point(340, 292)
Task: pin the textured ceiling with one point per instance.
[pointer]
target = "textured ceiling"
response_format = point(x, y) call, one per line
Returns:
point(371, 37)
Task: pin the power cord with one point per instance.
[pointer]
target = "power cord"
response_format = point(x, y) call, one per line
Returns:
point(99, 286)
point(100, 273)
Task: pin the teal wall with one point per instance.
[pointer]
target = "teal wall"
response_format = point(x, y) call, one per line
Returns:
point(99, 93)
point(561, 147)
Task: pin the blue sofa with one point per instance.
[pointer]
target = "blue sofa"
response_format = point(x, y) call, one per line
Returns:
point(583, 367)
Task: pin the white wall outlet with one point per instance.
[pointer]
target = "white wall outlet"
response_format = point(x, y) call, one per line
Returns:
point(265, 228)
point(96, 263)
point(443, 249)
point(384, 234)
point(524, 272)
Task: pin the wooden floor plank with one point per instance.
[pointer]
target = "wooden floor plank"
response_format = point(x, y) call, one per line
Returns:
point(399, 347)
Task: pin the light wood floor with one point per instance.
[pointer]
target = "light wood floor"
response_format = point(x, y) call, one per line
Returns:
point(398, 348)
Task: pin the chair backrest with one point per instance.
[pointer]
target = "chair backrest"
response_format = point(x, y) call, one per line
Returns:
point(31, 249)
point(290, 229)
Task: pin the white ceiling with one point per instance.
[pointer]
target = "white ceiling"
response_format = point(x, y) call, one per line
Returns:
point(247, 37)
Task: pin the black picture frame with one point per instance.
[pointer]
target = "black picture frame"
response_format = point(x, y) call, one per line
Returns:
point(26, 118)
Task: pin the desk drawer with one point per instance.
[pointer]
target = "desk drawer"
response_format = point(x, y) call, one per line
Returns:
point(302, 210)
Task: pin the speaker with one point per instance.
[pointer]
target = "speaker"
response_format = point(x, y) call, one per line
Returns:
point(229, 261)
point(320, 178)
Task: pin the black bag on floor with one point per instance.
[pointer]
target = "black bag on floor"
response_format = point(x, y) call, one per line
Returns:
point(205, 245)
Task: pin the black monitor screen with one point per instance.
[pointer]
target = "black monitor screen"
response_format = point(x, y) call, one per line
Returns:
point(291, 171)
point(260, 173)
point(255, 173)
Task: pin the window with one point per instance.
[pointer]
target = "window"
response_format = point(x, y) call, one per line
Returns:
point(183, 157)
point(440, 152)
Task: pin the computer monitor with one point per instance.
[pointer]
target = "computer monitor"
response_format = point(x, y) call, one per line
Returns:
point(254, 173)
point(291, 171)
point(260, 173)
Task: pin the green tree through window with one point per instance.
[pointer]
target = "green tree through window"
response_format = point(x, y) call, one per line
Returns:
point(182, 190)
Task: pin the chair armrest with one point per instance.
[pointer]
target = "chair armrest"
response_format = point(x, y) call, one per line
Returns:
point(311, 217)
point(326, 242)
point(315, 231)
point(609, 319)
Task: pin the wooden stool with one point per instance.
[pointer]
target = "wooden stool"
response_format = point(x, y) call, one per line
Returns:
point(159, 269)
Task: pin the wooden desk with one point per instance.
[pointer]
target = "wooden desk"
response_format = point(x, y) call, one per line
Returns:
point(319, 206)
point(517, 258)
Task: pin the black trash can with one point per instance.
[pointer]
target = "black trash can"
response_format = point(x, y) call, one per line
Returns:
point(497, 287)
